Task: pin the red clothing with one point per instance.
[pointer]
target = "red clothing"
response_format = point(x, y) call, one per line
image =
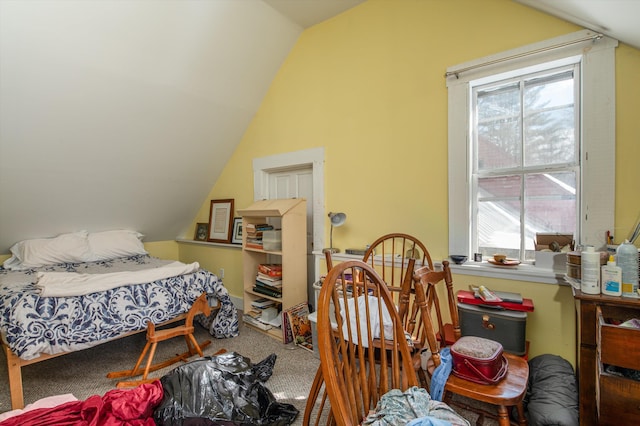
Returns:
point(118, 407)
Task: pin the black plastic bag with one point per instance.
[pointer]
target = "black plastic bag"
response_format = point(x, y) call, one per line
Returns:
point(224, 389)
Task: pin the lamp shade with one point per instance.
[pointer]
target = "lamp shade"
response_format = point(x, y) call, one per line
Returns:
point(337, 219)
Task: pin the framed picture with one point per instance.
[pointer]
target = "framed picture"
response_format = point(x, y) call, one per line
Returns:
point(202, 232)
point(220, 223)
point(237, 231)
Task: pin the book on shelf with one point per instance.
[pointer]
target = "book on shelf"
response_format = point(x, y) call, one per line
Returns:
point(270, 269)
point(300, 325)
point(254, 245)
point(254, 313)
point(267, 291)
point(256, 323)
point(263, 303)
point(268, 286)
point(269, 316)
point(257, 227)
point(275, 322)
point(269, 280)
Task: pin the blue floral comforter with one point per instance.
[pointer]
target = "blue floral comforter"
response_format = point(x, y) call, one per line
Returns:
point(32, 325)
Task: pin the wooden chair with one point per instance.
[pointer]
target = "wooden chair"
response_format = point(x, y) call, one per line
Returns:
point(359, 366)
point(393, 257)
point(398, 275)
point(389, 256)
point(507, 393)
point(316, 410)
point(154, 336)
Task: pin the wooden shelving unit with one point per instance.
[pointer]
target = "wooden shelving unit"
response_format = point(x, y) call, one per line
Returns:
point(289, 215)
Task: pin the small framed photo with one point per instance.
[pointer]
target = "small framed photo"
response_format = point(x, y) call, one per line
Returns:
point(202, 232)
point(237, 231)
point(220, 222)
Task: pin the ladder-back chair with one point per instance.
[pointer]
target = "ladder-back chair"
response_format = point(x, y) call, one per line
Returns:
point(389, 256)
point(509, 392)
point(362, 345)
point(393, 257)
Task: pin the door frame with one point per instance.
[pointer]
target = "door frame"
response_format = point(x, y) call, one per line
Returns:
point(313, 157)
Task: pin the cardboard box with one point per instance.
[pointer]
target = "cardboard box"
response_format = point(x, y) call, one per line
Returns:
point(545, 239)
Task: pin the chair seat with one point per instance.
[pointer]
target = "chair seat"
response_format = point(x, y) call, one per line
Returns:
point(509, 391)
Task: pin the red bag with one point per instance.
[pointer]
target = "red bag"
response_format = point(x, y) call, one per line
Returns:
point(478, 360)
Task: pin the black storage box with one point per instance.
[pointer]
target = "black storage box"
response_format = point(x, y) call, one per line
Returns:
point(506, 327)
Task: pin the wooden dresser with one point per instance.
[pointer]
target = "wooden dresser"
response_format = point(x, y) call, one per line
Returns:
point(607, 398)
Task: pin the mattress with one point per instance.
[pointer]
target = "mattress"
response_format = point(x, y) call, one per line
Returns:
point(32, 325)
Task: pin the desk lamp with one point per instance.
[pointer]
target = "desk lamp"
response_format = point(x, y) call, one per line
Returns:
point(336, 219)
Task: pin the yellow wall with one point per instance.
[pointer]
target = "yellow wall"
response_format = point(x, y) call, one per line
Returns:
point(368, 86)
point(163, 249)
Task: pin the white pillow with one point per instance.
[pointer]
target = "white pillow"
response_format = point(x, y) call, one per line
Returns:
point(117, 243)
point(65, 248)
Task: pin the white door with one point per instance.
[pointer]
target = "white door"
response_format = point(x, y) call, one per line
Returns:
point(297, 175)
point(295, 183)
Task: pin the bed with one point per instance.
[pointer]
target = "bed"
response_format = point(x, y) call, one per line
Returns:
point(79, 290)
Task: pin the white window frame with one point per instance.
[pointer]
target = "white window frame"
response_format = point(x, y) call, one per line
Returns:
point(597, 130)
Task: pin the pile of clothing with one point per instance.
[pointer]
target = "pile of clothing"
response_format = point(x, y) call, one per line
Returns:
point(220, 389)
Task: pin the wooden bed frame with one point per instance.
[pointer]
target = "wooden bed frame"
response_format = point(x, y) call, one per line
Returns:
point(15, 363)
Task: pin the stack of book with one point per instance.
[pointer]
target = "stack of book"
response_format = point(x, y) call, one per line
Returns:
point(254, 234)
point(269, 280)
point(257, 315)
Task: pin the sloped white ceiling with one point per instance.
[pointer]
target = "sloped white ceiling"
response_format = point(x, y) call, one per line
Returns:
point(123, 113)
point(307, 13)
point(615, 18)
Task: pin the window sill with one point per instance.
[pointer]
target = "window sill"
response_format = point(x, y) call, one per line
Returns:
point(520, 273)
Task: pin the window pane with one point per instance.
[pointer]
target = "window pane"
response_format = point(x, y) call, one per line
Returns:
point(549, 121)
point(499, 215)
point(498, 130)
point(550, 205)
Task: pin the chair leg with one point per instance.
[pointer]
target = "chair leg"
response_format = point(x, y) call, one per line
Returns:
point(503, 416)
point(522, 420)
point(422, 377)
point(316, 386)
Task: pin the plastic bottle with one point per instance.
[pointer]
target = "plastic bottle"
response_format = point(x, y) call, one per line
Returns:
point(611, 278)
point(590, 271)
point(627, 256)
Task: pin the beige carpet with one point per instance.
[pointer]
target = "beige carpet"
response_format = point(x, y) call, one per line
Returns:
point(83, 373)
